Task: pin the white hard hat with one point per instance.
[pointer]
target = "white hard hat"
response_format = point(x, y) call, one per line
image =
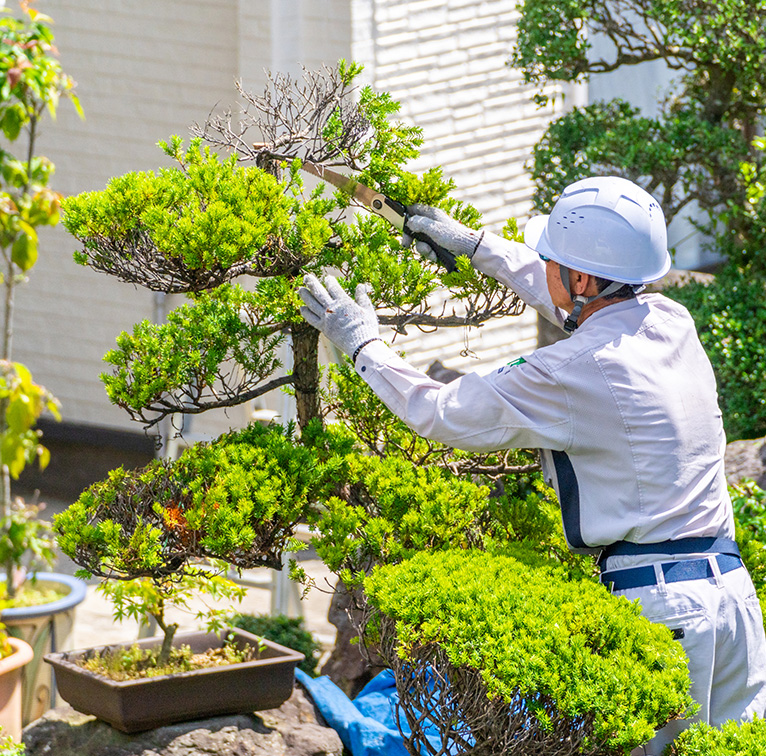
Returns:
point(606, 226)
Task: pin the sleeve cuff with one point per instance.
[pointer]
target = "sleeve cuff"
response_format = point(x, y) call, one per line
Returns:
point(371, 356)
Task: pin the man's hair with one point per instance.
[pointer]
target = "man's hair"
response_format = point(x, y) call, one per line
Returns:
point(624, 292)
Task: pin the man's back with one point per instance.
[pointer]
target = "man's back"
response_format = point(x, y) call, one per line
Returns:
point(643, 460)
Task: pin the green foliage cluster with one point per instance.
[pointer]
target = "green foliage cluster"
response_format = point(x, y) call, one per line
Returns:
point(32, 82)
point(23, 402)
point(613, 137)
point(9, 747)
point(143, 599)
point(533, 634)
point(27, 541)
point(207, 214)
point(742, 236)
point(238, 499)
point(391, 510)
point(731, 739)
point(749, 503)
point(286, 631)
point(730, 315)
point(32, 78)
point(216, 340)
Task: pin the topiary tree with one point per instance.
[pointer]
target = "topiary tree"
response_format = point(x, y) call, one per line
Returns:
point(692, 151)
point(235, 235)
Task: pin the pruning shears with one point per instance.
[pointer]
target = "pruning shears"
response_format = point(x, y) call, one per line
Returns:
point(394, 212)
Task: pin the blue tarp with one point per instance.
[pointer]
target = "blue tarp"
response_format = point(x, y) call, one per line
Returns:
point(366, 725)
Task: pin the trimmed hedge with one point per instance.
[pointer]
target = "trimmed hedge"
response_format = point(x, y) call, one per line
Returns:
point(558, 663)
point(731, 739)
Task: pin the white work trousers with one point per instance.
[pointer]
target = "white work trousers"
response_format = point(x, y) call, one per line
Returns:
point(723, 636)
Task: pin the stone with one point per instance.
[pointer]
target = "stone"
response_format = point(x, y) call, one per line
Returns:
point(294, 729)
point(746, 459)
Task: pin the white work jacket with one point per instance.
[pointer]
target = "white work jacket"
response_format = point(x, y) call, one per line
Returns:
point(625, 412)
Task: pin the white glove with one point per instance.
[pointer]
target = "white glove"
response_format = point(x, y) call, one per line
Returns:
point(438, 237)
point(349, 324)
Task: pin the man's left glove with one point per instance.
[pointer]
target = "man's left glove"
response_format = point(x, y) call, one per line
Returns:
point(349, 324)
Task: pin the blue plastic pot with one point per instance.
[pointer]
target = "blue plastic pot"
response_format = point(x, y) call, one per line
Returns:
point(47, 628)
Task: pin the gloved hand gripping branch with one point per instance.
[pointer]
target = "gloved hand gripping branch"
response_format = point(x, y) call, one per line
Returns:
point(350, 324)
point(438, 237)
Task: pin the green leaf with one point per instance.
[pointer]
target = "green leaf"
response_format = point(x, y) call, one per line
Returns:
point(24, 251)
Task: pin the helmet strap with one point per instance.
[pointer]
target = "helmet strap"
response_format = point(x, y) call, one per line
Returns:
point(570, 324)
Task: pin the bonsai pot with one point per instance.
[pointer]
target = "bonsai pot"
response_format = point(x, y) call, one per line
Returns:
point(10, 687)
point(134, 705)
point(47, 628)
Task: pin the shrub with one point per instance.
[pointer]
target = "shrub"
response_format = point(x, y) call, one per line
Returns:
point(749, 503)
point(731, 739)
point(287, 631)
point(9, 747)
point(730, 315)
point(502, 651)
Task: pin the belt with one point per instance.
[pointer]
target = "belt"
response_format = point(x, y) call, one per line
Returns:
point(707, 545)
point(674, 572)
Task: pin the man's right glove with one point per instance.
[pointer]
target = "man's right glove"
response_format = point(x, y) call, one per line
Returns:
point(438, 237)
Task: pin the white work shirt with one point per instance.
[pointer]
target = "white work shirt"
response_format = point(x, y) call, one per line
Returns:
point(625, 412)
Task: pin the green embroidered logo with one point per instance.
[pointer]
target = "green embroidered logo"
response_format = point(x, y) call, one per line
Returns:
point(519, 361)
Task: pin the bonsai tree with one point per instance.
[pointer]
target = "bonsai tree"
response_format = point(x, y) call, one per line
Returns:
point(701, 150)
point(235, 234)
point(32, 85)
point(233, 502)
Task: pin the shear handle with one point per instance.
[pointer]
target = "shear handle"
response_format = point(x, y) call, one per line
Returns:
point(446, 258)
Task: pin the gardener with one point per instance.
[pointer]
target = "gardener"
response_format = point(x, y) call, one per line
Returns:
point(625, 411)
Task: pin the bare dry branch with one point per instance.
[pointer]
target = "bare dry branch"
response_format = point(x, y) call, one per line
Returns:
point(452, 703)
point(315, 119)
point(135, 259)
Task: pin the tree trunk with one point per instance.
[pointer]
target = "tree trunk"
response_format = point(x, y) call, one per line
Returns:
point(169, 632)
point(305, 372)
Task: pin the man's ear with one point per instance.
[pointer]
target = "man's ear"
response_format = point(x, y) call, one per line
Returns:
point(579, 282)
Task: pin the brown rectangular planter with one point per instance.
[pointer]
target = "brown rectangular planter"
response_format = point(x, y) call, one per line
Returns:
point(134, 705)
